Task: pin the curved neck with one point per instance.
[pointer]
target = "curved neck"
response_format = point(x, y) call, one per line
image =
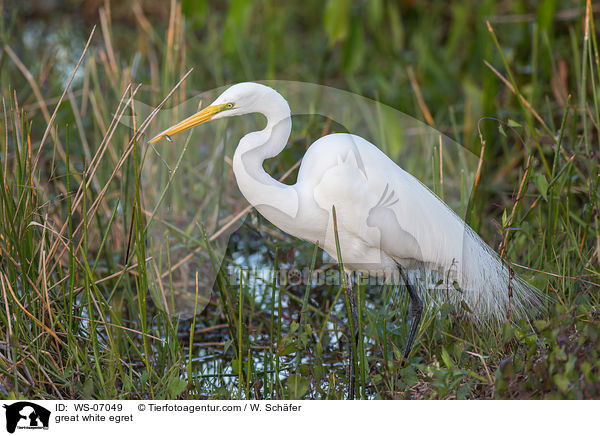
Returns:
point(256, 184)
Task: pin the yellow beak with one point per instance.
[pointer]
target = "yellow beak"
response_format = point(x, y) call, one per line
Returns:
point(203, 116)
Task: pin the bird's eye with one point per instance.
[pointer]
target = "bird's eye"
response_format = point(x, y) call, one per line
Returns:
point(229, 105)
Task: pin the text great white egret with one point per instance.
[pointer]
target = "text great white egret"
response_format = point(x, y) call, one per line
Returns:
point(388, 222)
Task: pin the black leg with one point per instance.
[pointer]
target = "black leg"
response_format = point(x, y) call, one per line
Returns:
point(352, 377)
point(416, 311)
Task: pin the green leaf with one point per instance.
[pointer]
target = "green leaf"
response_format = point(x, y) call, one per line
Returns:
point(478, 377)
point(297, 386)
point(409, 375)
point(336, 20)
point(546, 15)
point(354, 48)
point(463, 391)
point(586, 369)
point(513, 123)
point(227, 345)
point(304, 369)
point(317, 372)
point(508, 332)
point(507, 368)
point(570, 364)
point(501, 130)
point(446, 358)
point(288, 349)
point(375, 13)
point(561, 381)
point(540, 182)
point(559, 354)
point(520, 334)
point(176, 386)
point(293, 327)
point(304, 339)
point(195, 11)
point(318, 349)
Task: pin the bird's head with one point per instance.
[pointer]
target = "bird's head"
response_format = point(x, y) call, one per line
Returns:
point(239, 99)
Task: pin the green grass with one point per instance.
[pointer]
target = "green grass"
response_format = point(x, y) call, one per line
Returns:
point(81, 309)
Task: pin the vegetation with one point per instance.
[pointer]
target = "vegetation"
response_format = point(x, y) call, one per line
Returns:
point(78, 267)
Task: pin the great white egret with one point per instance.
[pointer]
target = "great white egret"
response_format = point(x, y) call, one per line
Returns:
point(389, 223)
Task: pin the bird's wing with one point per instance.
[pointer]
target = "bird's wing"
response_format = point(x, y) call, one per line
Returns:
point(382, 211)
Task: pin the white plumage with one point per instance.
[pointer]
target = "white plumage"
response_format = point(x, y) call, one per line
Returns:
point(386, 217)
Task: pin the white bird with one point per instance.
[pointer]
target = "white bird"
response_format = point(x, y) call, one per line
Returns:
point(388, 222)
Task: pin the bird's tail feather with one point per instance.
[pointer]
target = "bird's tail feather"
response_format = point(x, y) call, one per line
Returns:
point(491, 288)
point(480, 282)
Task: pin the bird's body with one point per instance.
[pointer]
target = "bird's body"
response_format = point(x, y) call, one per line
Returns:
point(388, 221)
point(385, 217)
point(350, 173)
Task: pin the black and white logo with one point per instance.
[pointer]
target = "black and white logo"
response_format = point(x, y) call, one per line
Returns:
point(26, 415)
